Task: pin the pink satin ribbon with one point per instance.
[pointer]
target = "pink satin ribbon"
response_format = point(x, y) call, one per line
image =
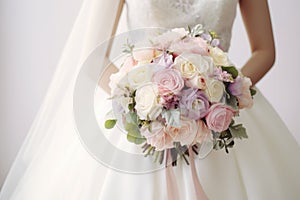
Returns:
point(172, 188)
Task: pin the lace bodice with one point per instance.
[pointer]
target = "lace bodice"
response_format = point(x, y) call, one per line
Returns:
point(217, 15)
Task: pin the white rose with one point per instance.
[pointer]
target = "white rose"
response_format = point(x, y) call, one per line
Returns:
point(219, 56)
point(147, 102)
point(181, 31)
point(117, 80)
point(191, 64)
point(214, 90)
point(198, 81)
point(139, 76)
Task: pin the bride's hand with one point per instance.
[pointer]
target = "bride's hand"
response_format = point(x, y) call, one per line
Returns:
point(104, 80)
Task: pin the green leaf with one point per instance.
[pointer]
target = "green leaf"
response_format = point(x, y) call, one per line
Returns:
point(131, 117)
point(252, 91)
point(131, 106)
point(231, 70)
point(238, 131)
point(135, 140)
point(133, 133)
point(110, 123)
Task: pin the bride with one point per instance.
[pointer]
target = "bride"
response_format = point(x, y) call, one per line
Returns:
point(54, 164)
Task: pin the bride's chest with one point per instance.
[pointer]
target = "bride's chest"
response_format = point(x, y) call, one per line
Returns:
point(164, 12)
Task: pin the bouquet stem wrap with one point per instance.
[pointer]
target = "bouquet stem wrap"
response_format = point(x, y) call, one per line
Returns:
point(172, 187)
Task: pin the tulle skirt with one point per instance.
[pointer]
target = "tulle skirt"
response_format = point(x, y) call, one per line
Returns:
point(265, 166)
point(55, 163)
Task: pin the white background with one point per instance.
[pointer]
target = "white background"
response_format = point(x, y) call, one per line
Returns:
point(32, 36)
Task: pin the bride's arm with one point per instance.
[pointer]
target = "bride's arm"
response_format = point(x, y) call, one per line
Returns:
point(110, 67)
point(257, 21)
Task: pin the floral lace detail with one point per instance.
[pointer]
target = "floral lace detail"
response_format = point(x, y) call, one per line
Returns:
point(184, 5)
point(217, 15)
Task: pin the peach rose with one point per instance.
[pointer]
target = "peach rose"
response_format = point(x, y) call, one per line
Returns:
point(144, 56)
point(202, 132)
point(157, 136)
point(186, 133)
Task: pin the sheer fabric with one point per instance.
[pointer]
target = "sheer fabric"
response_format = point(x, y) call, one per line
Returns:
point(53, 163)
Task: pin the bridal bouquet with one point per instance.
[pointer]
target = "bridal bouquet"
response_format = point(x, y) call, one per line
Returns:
point(182, 91)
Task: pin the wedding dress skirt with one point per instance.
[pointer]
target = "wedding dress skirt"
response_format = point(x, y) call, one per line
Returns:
point(57, 162)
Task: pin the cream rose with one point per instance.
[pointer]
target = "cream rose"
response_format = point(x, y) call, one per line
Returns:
point(191, 64)
point(214, 90)
point(219, 56)
point(147, 102)
point(198, 82)
point(139, 75)
point(144, 56)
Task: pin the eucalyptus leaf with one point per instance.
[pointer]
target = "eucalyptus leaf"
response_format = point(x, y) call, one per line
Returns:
point(131, 117)
point(172, 117)
point(135, 140)
point(110, 123)
point(133, 133)
point(232, 101)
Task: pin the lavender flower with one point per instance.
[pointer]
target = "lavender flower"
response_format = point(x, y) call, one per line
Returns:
point(193, 103)
point(164, 59)
point(236, 88)
point(222, 75)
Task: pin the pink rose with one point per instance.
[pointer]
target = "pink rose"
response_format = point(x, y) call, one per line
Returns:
point(169, 81)
point(245, 100)
point(219, 117)
point(186, 133)
point(157, 136)
point(202, 132)
point(194, 45)
point(241, 89)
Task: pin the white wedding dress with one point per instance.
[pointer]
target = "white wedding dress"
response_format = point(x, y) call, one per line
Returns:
point(55, 163)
